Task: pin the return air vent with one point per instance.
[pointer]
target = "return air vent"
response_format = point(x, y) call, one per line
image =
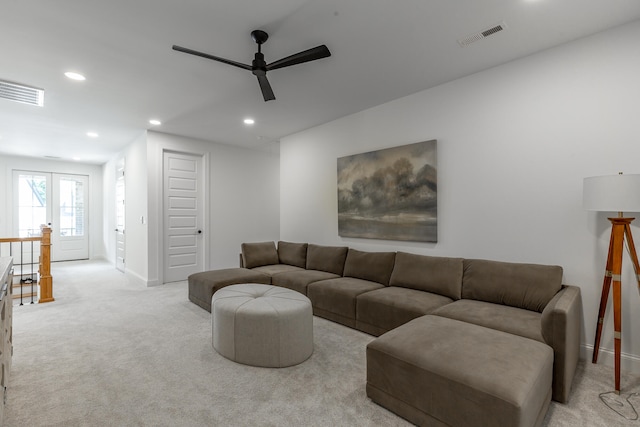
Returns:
point(21, 93)
point(482, 34)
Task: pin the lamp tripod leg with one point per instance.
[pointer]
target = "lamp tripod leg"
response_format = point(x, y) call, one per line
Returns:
point(632, 251)
point(616, 270)
point(617, 334)
point(606, 285)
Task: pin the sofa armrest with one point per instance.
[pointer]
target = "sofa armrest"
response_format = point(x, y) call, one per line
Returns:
point(561, 330)
point(241, 264)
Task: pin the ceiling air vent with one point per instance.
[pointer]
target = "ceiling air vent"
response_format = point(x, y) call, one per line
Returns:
point(21, 93)
point(482, 34)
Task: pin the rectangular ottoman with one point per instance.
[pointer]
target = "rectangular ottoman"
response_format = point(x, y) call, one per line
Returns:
point(435, 371)
point(203, 285)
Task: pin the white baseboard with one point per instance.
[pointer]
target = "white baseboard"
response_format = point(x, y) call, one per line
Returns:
point(135, 278)
point(151, 283)
point(628, 362)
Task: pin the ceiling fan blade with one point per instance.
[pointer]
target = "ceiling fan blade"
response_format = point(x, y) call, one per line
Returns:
point(312, 54)
point(267, 92)
point(215, 58)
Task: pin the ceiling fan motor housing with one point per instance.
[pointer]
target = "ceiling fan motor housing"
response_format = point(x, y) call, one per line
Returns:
point(259, 66)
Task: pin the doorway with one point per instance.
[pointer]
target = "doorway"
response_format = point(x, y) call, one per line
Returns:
point(120, 216)
point(183, 207)
point(58, 200)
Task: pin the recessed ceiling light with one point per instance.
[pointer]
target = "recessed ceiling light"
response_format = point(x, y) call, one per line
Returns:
point(155, 122)
point(92, 134)
point(75, 76)
point(249, 121)
point(77, 159)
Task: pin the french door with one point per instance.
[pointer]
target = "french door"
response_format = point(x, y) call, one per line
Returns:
point(58, 200)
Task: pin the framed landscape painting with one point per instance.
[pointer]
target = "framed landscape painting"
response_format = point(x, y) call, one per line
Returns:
point(390, 194)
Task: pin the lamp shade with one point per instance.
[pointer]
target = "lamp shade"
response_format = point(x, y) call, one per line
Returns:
point(612, 193)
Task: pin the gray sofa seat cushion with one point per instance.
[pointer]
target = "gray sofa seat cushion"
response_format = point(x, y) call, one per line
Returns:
point(276, 269)
point(517, 321)
point(258, 254)
point(203, 285)
point(326, 258)
point(293, 253)
point(439, 275)
point(300, 280)
point(528, 286)
point(440, 372)
point(372, 266)
point(384, 309)
point(335, 299)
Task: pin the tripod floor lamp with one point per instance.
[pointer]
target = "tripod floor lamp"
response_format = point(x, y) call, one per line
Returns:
point(614, 193)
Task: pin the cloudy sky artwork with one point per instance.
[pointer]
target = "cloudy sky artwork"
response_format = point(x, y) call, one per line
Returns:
point(389, 194)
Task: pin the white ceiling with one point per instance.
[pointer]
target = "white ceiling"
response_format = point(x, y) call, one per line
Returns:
point(381, 50)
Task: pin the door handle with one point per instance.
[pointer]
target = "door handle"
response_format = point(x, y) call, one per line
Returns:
point(199, 232)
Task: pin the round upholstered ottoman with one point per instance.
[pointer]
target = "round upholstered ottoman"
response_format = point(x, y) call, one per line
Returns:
point(262, 325)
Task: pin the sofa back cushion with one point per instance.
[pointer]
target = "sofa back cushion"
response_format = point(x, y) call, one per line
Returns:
point(258, 254)
point(528, 286)
point(326, 258)
point(438, 275)
point(293, 253)
point(372, 266)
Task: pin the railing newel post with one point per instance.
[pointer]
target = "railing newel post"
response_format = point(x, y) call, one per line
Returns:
point(46, 281)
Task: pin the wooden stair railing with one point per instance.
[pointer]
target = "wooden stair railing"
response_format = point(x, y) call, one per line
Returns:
point(46, 281)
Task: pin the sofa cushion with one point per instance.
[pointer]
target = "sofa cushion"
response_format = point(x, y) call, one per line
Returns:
point(293, 253)
point(203, 285)
point(372, 266)
point(384, 309)
point(439, 275)
point(326, 258)
point(441, 372)
point(257, 254)
point(300, 280)
point(276, 269)
point(335, 299)
point(516, 321)
point(528, 286)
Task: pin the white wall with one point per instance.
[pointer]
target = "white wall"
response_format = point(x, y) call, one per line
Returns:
point(136, 194)
point(243, 198)
point(10, 163)
point(514, 143)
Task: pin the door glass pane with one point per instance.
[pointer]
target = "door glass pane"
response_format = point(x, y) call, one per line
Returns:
point(71, 207)
point(32, 204)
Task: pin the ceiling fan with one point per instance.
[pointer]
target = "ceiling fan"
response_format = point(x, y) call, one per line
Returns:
point(259, 67)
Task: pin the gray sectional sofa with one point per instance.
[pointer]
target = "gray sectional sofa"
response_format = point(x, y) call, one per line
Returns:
point(396, 295)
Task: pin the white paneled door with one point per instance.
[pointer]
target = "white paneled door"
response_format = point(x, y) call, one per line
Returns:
point(183, 213)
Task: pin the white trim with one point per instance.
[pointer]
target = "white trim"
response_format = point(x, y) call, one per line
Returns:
point(628, 362)
point(136, 279)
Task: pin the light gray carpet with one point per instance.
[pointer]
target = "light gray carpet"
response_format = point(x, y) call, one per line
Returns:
point(111, 353)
